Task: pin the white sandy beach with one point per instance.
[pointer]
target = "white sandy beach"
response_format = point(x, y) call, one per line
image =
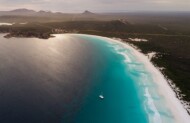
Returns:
point(173, 103)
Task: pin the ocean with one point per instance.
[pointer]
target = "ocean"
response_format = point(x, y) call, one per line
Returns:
point(60, 80)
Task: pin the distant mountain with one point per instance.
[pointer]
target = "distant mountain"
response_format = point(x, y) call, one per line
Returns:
point(88, 13)
point(28, 15)
point(23, 11)
point(44, 13)
point(26, 12)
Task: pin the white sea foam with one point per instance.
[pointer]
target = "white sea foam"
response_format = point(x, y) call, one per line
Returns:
point(117, 49)
point(127, 59)
point(179, 113)
point(156, 116)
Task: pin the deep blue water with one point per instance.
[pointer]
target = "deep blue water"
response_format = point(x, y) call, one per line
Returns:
point(59, 80)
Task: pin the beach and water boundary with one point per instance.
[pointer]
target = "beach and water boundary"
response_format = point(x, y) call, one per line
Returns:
point(167, 95)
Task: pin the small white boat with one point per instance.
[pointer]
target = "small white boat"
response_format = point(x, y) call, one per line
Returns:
point(101, 96)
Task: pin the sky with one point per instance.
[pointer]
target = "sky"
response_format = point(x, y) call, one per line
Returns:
point(97, 5)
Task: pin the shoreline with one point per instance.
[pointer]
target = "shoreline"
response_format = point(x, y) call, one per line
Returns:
point(151, 55)
point(172, 85)
point(173, 103)
point(165, 89)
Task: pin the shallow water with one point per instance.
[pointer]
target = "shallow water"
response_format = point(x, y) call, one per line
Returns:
point(59, 80)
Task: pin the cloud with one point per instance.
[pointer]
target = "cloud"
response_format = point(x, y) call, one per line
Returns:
point(97, 5)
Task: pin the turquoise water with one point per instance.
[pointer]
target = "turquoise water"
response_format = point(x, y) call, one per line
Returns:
point(123, 102)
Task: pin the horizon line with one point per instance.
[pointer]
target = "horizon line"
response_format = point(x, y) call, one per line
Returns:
point(95, 11)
